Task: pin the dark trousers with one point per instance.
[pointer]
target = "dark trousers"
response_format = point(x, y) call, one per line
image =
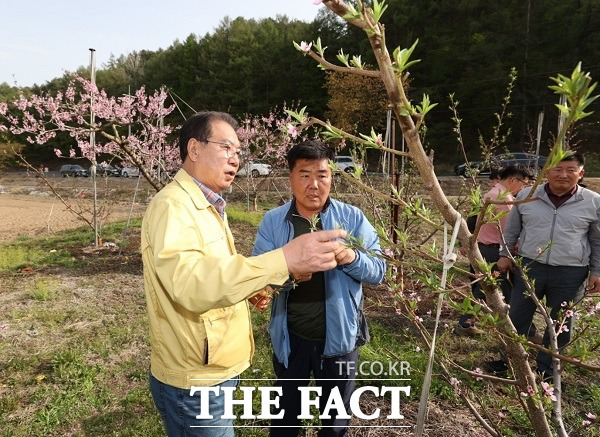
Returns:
point(490, 253)
point(307, 356)
point(558, 284)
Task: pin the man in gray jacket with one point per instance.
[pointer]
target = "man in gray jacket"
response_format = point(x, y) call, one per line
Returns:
point(558, 237)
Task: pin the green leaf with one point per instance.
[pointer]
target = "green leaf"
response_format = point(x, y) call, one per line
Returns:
point(298, 116)
point(401, 57)
point(378, 10)
point(353, 14)
point(343, 58)
point(357, 62)
point(318, 47)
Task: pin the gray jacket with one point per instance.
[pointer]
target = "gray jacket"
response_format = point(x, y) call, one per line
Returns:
point(572, 230)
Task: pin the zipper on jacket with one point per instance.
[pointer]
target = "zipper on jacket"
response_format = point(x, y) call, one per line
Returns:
point(551, 235)
point(551, 205)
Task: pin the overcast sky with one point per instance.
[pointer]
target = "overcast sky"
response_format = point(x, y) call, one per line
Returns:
point(40, 40)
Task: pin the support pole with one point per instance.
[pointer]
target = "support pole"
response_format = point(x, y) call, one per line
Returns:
point(93, 143)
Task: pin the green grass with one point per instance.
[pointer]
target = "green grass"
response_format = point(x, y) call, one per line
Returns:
point(56, 249)
point(237, 214)
point(75, 350)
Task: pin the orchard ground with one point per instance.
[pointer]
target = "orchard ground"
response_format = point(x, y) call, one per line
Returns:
point(73, 336)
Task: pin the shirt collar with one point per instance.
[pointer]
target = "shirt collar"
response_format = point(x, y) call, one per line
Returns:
point(213, 198)
point(550, 193)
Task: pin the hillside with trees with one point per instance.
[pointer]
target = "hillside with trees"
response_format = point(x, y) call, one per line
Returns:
point(248, 66)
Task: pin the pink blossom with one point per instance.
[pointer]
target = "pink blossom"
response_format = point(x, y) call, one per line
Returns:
point(317, 2)
point(58, 152)
point(539, 251)
point(501, 415)
point(586, 423)
point(564, 328)
point(305, 47)
point(569, 313)
point(455, 383)
point(591, 416)
point(530, 390)
point(292, 130)
point(480, 372)
point(549, 391)
point(398, 311)
point(564, 304)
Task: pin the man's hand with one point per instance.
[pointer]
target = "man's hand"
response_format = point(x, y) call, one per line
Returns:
point(504, 264)
point(344, 255)
point(593, 284)
point(262, 299)
point(314, 252)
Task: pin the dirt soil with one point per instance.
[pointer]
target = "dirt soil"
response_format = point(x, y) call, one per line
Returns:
point(29, 207)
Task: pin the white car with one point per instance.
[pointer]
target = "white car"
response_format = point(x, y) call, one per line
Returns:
point(255, 169)
point(346, 163)
point(130, 172)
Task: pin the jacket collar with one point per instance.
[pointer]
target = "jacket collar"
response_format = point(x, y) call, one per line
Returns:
point(541, 193)
point(186, 182)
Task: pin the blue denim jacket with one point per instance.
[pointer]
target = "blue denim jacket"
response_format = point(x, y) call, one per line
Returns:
point(343, 289)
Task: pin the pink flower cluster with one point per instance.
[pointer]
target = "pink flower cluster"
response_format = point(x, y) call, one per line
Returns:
point(40, 117)
point(549, 391)
point(268, 138)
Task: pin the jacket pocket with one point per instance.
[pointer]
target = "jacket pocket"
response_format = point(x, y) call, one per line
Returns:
point(228, 337)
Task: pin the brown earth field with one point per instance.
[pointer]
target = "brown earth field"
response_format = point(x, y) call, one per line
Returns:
point(28, 206)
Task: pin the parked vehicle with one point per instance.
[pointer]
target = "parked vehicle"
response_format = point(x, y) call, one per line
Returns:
point(73, 171)
point(483, 168)
point(106, 170)
point(130, 172)
point(346, 163)
point(255, 169)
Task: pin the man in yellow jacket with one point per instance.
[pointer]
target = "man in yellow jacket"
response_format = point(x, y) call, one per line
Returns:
point(197, 286)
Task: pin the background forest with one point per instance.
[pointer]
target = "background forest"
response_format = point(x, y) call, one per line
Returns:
point(467, 48)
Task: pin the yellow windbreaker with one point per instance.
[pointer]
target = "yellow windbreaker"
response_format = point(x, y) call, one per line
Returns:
point(196, 288)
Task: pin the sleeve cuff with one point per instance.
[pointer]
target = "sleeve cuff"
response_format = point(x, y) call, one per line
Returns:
point(275, 263)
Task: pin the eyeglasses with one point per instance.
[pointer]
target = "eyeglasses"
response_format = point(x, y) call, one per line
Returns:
point(230, 150)
point(527, 182)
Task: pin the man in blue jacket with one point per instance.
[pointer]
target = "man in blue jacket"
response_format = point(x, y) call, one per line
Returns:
point(317, 322)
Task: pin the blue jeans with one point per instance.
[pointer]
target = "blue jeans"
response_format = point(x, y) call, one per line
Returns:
point(307, 356)
point(179, 410)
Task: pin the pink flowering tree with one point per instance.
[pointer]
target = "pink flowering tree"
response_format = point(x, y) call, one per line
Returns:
point(129, 129)
point(418, 255)
point(265, 139)
point(40, 117)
